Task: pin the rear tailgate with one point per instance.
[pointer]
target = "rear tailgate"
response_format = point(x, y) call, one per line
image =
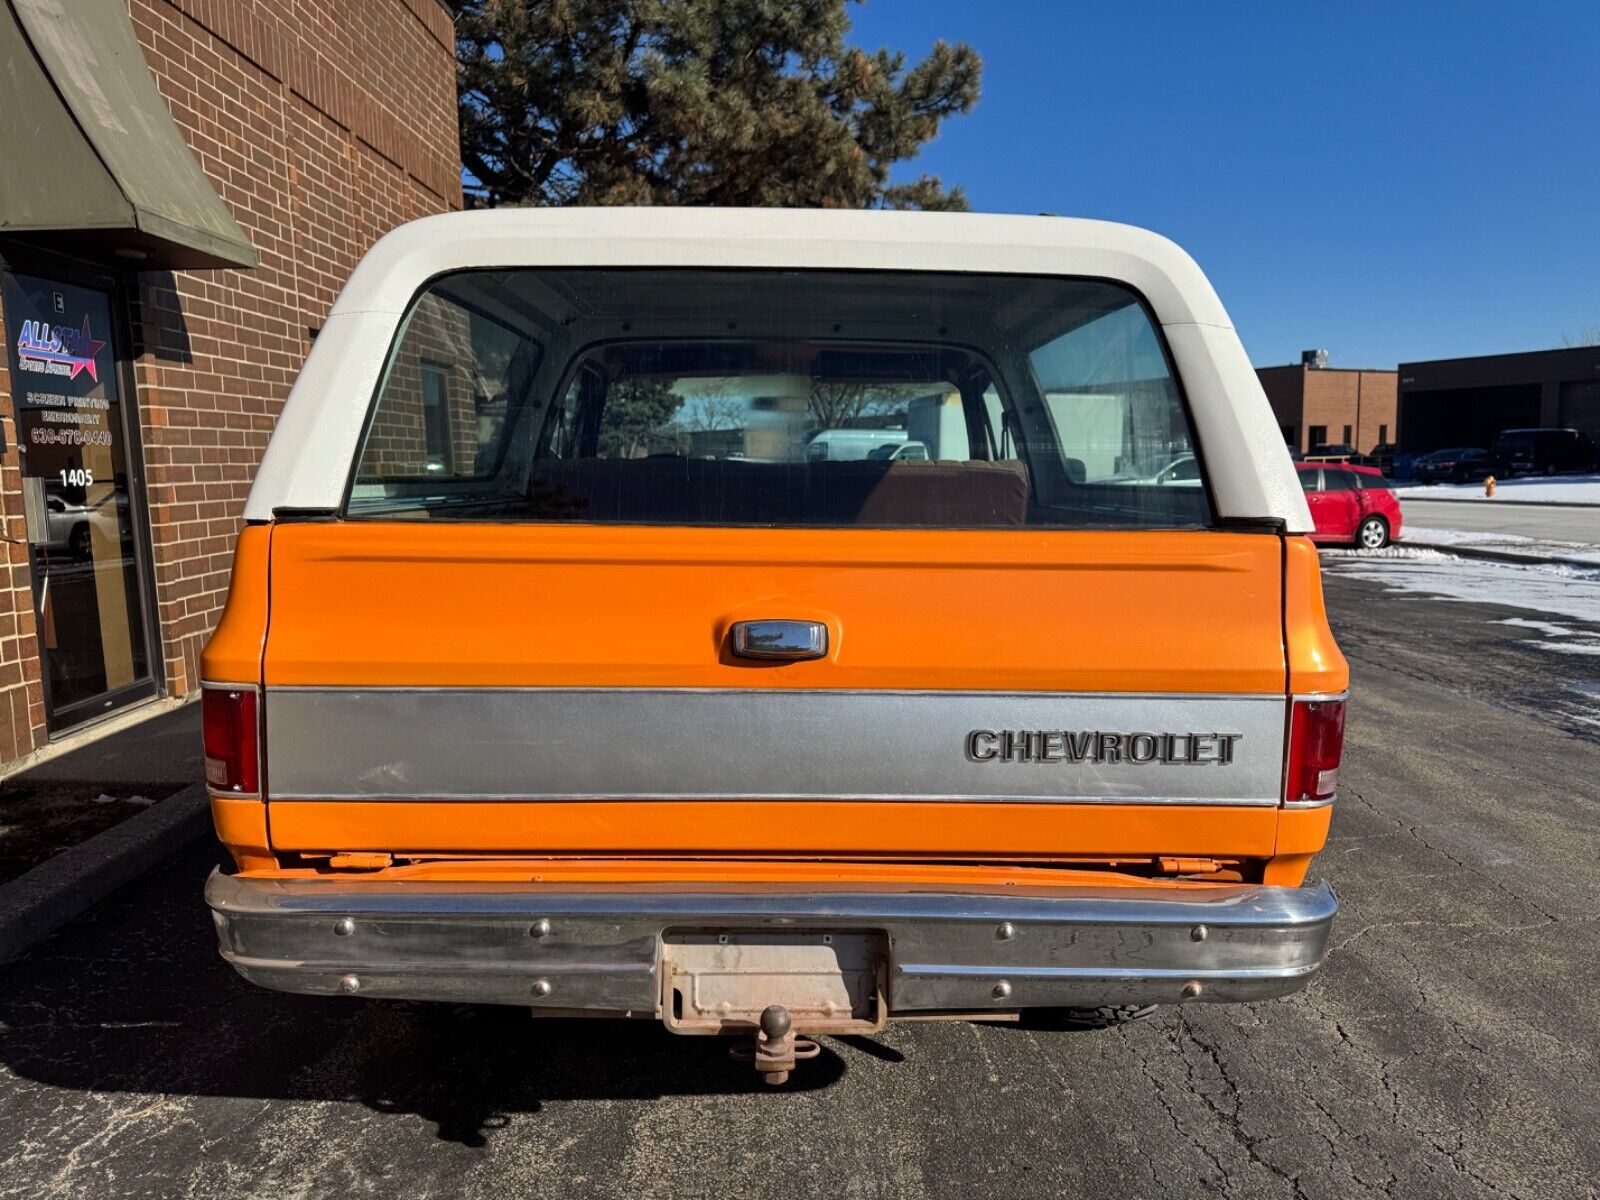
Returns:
point(441, 688)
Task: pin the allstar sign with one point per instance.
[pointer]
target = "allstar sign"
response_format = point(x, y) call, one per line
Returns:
point(39, 341)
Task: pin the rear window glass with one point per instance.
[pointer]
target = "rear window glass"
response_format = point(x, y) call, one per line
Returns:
point(801, 398)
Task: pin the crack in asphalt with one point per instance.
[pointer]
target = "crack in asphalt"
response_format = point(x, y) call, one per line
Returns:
point(1495, 881)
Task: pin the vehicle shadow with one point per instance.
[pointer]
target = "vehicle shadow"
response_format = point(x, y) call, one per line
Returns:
point(133, 998)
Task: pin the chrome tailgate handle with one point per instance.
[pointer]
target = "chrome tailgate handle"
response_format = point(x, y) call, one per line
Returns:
point(788, 640)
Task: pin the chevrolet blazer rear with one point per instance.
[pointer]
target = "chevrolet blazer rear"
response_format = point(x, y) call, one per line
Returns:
point(562, 668)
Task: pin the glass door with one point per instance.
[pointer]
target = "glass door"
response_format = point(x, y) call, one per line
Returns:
point(73, 442)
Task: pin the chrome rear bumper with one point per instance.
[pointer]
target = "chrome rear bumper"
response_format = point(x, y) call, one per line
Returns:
point(600, 948)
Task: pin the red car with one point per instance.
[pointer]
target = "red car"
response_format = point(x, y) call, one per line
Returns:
point(1351, 505)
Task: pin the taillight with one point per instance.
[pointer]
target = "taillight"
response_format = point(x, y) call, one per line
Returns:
point(228, 717)
point(1316, 741)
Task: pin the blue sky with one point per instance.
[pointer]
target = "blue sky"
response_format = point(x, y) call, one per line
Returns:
point(1390, 181)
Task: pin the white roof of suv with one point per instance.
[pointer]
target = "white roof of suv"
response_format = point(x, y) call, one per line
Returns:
point(317, 437)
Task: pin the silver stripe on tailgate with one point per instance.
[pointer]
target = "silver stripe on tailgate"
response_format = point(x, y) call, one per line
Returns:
point(698, 744)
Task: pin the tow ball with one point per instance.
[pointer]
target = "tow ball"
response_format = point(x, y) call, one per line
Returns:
point(776, 1048)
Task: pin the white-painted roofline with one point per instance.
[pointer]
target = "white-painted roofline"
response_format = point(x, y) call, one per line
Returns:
point(317, 436)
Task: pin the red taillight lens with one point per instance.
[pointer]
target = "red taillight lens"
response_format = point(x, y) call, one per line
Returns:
point(1316, 742)
point(228, 716)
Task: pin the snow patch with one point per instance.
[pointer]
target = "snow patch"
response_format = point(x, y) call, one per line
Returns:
point(1553, 589)
point(1515, 543)
point(107, 798)
point(1583, 644)
point(1543, 627)
point(1391, 551)
point(1566, 489)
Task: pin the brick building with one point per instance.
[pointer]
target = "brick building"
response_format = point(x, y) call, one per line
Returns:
point(193, 182)
point(1317, 404)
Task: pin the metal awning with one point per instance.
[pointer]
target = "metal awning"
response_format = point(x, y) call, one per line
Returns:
point(90, 159)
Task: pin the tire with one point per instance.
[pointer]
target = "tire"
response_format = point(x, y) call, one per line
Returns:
point(1372, 534)
point(1108, 1016)
point(80, 542)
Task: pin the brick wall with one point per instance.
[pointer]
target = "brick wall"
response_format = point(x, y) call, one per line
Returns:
point(322, 124)
point(1332, 397)
point(1361, 400)
point(21, 692)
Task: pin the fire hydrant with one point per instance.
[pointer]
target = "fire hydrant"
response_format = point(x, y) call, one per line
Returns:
point(1488, 485)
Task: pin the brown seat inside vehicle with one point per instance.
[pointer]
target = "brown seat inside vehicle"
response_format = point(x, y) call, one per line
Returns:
point(948, 493)
point(701, 491)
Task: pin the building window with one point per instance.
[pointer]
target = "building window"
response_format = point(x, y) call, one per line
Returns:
point(436, 416)
point(1347, 432)
point(1318, 436)
point(1383, 435)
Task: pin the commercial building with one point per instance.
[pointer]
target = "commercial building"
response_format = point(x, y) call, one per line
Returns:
point(1466, 401)
point(187, 185)
point(1317, 404)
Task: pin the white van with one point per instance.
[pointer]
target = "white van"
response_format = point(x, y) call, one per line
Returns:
point(847, 445)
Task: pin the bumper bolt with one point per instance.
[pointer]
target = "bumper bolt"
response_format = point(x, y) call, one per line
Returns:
point(1002, 990)
point(1198, 933)
point(541, 987)
point(344, 927)
point(1006, 932)
point(349, 985)
point(540, 928)
point(1191, 990)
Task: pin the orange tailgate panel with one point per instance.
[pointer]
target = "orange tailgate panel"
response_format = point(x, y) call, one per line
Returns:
point(420, 604)
point(424, 604)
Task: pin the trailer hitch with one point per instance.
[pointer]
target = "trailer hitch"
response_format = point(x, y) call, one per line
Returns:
point(775, 1048)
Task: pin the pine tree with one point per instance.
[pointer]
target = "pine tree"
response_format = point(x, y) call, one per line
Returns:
point(706, 102)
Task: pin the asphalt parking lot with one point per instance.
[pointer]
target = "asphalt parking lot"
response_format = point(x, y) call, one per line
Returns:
point(1450, 1048)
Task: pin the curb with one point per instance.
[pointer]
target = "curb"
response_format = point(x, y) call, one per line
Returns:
point(38, 902)
point(1505, 556)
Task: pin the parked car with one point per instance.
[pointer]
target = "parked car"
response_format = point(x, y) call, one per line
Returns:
point(899, 452)
point(1462, 465)
point(1341, 452)
point(784, 746)
point(1384, 456)
point(1351, 506)
point(1544, 451)
point(1181, 471)
point(844, 445)
point(1400, 467)
point(70, 521)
